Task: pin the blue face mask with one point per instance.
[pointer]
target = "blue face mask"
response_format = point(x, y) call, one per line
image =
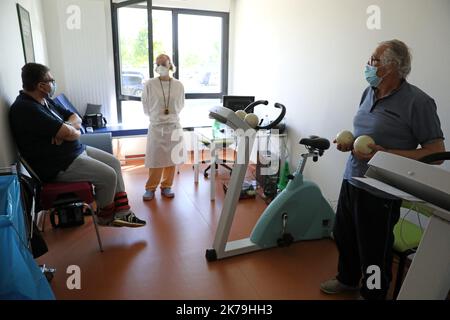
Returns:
point(52, 89)
point(371, 76)
point(52, 85)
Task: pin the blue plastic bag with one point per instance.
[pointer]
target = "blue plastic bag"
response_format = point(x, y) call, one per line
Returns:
point(20, 276)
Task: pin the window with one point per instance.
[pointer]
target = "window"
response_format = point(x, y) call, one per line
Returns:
point(196, 40)
point(200, 53)
point(162, 32)
point(133, 53)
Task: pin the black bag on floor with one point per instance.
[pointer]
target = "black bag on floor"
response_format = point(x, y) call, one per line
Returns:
point(67, 215)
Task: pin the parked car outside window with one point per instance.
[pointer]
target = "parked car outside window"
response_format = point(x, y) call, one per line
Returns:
point(132, 83)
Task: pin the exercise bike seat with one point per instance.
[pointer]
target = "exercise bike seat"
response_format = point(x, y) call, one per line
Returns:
point(316, 143)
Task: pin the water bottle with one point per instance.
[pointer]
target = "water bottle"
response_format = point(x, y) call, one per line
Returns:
point(216, 129)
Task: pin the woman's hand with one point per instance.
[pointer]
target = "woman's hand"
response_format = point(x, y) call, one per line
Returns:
point(343, 147)
point(366, 157)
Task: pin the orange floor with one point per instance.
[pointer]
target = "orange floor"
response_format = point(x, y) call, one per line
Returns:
point(165, 259)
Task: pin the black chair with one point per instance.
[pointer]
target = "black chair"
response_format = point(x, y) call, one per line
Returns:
point(224, 143)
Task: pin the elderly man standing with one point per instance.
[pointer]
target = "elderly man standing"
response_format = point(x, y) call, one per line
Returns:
point(402, 119)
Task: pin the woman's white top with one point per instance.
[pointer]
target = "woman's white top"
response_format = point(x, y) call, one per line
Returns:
point(153, 100)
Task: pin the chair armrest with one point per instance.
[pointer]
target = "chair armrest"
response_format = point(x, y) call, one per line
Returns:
point(102, 141)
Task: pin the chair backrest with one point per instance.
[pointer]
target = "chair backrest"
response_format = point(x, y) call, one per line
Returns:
point(63, 101)
point(28, 168)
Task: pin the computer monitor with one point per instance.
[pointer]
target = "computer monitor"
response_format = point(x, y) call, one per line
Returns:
point(237, 102)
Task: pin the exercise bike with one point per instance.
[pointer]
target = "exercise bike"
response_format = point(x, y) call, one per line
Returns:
point(299, 212)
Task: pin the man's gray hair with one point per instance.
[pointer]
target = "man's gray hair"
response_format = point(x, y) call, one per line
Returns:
point(397, 52)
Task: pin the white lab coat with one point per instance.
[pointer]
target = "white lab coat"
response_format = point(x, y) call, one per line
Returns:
point(165, 139)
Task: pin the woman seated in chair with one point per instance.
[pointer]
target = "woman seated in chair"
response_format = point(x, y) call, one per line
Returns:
point(47, 136)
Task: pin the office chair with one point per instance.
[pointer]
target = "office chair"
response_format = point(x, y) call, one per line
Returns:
point(214, 142)
point(224, 143)
point(234, 103)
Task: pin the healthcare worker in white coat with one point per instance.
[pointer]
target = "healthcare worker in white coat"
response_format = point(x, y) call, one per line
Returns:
point(163, 100)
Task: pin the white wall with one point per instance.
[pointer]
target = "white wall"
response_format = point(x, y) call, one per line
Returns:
point(310, 55)
point(210, 5)
point(81, 59)
point(12, 60)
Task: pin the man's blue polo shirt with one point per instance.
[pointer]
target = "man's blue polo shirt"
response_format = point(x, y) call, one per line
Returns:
point(402, 120)
point(34, 126)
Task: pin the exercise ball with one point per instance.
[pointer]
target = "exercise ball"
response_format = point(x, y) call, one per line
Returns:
point(241, 114)
point(252, 120)
point(345, 138)
point(362, 144)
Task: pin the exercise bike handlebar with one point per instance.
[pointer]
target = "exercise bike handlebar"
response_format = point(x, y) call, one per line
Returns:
point(277, 120)
point(274, 123)
point(440, 156)
point(251, 106)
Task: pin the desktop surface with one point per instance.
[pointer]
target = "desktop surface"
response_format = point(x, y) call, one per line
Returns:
point(127, 129)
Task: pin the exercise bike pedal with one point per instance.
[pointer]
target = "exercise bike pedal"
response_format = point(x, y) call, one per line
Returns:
point(286, 240)
point(211, 255)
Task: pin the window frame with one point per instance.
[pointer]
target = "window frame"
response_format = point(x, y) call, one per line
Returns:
point(225, 16)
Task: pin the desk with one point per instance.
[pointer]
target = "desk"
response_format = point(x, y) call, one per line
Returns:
point(129, 131)
point(123, 131)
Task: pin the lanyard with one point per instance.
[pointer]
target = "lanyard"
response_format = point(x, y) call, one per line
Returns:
point(166, 105)
point(53, 112)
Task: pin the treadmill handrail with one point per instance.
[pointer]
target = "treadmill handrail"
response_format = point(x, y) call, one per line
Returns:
point(439, 156)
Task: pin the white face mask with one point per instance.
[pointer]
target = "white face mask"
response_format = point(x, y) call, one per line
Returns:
point(162, 71)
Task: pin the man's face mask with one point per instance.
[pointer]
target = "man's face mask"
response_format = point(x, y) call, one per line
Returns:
point(52, 85)
point(370, 74)
point(162, 71)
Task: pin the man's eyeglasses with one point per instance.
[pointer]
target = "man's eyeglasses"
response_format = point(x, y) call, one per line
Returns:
point(372, 61)
point(50, 80)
